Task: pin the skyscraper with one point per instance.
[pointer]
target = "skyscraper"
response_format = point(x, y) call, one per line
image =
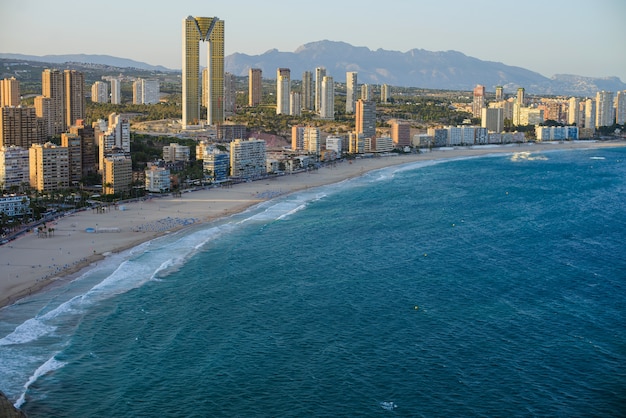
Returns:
point(211, 30)
point(74, 97)
point(365, 118)
point(385, 93)
point(307, 90)
point(99, 92)
point(573, 111)
point(116, 91)
point(327, 109)
point(10, 92)
point(283, 87)
point(52, 87)
point(620, 108)
point(320, 72)
point(351, 84)
point(254, 86)
point(479, 101)
point(499, 93)
point(604, 109)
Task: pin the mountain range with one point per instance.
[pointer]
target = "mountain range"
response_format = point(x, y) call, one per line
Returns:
point(446, 70)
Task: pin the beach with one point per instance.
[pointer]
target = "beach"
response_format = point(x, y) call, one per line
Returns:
point(31, 262)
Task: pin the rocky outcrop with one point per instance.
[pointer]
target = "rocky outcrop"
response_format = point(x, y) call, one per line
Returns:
point(7, 410)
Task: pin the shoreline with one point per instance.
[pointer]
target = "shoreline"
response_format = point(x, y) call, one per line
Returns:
point(31, 264)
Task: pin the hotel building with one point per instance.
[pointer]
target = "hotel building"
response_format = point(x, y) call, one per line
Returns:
point(307, 90)
point(20, 126)
point(210, 30)
point(604, 109)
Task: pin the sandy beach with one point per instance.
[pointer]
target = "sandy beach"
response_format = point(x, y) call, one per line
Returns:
point(31, 263)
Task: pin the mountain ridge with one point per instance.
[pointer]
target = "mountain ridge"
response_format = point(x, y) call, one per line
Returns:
point(445, 70)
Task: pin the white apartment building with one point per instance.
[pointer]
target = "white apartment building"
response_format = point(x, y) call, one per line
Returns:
point(327, 110)
point(100, 92)
point(604, 109)
point(157, 179)
point(334, 143)
point(14, 167)
point(247, 158)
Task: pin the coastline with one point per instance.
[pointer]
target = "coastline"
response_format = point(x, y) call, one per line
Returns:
point(31, 264)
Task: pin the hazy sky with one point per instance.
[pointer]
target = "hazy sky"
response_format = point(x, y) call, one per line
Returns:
point(550, 37)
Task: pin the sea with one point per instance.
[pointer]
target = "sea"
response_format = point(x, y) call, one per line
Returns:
point(487, 286)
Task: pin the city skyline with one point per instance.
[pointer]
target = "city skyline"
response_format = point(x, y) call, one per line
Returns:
point(558, 37)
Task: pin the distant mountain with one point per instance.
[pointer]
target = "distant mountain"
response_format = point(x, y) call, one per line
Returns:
point(449, 70)
point(89, 59)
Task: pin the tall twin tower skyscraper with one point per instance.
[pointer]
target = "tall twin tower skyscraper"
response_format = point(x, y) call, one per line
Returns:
point(210, 30)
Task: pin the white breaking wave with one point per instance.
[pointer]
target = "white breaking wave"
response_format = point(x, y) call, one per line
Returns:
point(49, 366)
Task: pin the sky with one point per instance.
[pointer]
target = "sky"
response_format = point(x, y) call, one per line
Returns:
point(586, 38)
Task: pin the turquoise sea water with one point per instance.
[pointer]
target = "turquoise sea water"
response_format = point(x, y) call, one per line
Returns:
point(491, 286)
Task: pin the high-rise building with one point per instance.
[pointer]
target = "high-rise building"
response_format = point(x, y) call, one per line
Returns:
point(146, 91)
point(74, 97)
point(116, 91)
point(366, 92)
point(73, 143)
point(365, 118)
point(117, 173)
point(590, 114)
point(573, 111)
point(385, 93)
point(255, 86)
point(479, 101)
point(215, 164)
point(307, 90)
point(295, 103)
point(210, 30)
point(20, 126)
point(49, 167)
point(230, 94)
point(9, 92)
point(620, 107)
point(320, 73)
point(401, 134)
point(351, 84)
point(52, 87)
point(87, 135)
point(520, 97)
point(327, 109)
point(14, 169)
point(499, 93)
point(604, 109)
point(297, 137)
point(492, 118)
point(113, 136)
point(99, 92)
point(283, 88)
point(312, 140)
point(247, 158)
point(176, 152)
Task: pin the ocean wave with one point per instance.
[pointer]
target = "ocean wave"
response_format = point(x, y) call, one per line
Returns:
point(50, 365)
